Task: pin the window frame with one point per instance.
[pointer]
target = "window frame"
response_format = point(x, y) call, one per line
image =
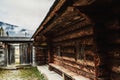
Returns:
point(80, 51)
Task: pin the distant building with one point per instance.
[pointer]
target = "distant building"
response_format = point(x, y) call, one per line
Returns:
point(2, 32)
point(2, 46)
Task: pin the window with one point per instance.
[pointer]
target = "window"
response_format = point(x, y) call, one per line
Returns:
point(80, 49)
point(58, 51)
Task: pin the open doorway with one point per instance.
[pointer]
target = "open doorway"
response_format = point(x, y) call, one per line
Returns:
point(17, 54)
point(13, 54)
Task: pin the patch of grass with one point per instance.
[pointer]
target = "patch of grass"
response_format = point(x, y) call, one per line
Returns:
point(2, 72)
point(25, 73)
point(31, 72)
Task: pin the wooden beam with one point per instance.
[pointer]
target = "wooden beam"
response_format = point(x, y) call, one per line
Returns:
point(83, 2)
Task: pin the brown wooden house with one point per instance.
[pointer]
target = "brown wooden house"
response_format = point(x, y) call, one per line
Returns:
point(81, 38)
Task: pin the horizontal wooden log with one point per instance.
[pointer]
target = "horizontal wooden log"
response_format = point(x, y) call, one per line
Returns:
point(79, 66)
point(58, 57)
point(72, 64)
point(65, 44)
point(80, 72)
point(89, 52)
point(86, 40)
point(113, 25)
point(85, 69)
point(83, 2)
point(86, 63)
point(68, 51)
point(114, 53)
point(40, 38)
point(101, 71)
point(72, 26)
point(66, 28)
point(81, 62)
point(38, 44)
point(57, 62)
point(40, 59)
point(116, 68)
point(102, 78)
point(115, 76)
point(63, 18)
point(76, 34)
point(71, 55)
point(40, 54)
point(69, 59)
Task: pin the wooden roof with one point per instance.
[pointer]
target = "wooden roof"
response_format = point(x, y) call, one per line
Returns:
point(15, 39)
point(58, 4)
point(50, 14)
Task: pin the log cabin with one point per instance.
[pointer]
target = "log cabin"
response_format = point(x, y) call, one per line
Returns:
point(80, 39)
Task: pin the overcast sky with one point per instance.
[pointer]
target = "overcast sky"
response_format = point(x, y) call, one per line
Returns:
point(28, 14)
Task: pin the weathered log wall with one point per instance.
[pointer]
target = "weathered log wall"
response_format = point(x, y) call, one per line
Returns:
point(41, 54)
point(113, 39)
point(83, 38)
point(75, 38)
